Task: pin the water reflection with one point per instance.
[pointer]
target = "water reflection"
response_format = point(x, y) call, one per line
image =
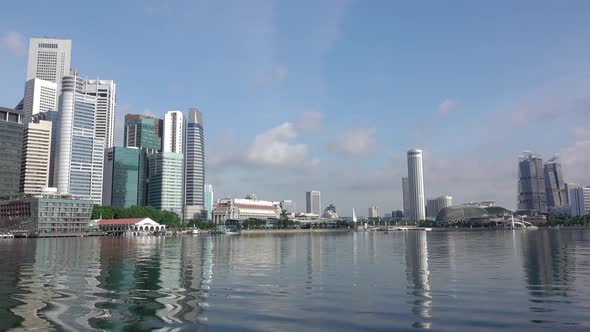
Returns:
point(418, 275)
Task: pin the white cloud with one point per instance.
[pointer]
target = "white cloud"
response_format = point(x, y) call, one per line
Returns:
point(14, 43)
point(445, 106)
point(356, 141)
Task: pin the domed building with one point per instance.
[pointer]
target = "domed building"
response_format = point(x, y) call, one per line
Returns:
point(472, 214)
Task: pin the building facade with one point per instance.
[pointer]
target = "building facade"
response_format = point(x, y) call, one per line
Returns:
point(165, 184)
point(374, 212)
point(105, 92)
point(194, 178)
point(40, 97)
point(554, 185)
point(49, 60)
point(244, 208)
point(45, 214)
point(313, 202)
point(406, 196)
point(53, 117)
point(144, 132)
point(580, 201)
point(209, 201)
point(288, 207)
point(34, 171)
point(568, 188)
point(434, 206)
point(11, 140)
point(125, 177)
point(80, 154)
point(416, 186)
point(532, 198)
point(173, 139)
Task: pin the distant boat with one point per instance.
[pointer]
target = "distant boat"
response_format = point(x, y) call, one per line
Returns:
point(195, 231)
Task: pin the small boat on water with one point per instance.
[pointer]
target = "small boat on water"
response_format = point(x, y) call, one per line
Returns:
point(195, 231)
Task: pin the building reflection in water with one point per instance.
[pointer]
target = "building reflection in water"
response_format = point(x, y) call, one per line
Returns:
point(418, 275)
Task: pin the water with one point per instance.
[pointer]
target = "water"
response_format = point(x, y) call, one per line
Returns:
point(453, 281)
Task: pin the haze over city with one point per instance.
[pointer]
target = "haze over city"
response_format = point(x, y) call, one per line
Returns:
point(330, 96)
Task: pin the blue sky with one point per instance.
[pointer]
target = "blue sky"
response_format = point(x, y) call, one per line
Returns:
point(329, 95)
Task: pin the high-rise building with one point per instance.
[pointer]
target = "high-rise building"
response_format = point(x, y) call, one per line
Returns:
point(125, 177)
point(49, 60)
point(568, 187)
point(554, 185)
point(374, 212)
point(406, 196)
point(34, 171)
point(194, 179)
point(11, 140)
point(173, 140)
point(144, 132)
point(416, 186)
point(288, 206)
point(53, 117)
point(165, 171)
point(532, 197)
point(313, 202)
point(330, 212)
point(80, 154)
point(434, 206)
point(580, 201)
point(40, 97)
point(209, 201)
point(105, 92)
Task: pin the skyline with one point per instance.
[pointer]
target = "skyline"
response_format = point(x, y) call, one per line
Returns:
point(340, 109)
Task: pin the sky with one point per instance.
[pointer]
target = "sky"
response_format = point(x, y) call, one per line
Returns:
point(329, 95)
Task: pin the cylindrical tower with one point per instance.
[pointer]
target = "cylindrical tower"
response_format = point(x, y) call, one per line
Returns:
point(416, 185)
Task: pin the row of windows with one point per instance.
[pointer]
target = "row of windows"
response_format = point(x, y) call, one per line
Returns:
point(46, 45)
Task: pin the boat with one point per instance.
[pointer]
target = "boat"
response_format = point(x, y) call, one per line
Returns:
point(195, 231)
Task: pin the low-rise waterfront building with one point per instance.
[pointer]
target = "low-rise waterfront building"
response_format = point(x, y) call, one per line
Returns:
point(245, 208)
point(45, 214)
point(131, 226)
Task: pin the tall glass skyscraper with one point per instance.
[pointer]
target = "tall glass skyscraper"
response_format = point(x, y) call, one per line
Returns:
point(165, 181)
point(144, 132)
point(11, 139)
point(209, 201)
point(416, 186)
point(125, 177)
point(554, 185)
point(194, 183)
point(532, 197)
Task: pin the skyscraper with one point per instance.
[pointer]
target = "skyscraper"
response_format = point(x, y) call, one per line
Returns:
point(11, 138)
point(434, 206)
point(40, 97)
point(209, 201)
point(313, 202)
point(580, 198)
point(80, 154)
point(53, 117)
point(554, 185)
point(173, 140)
point(194, 179)
point(532, 197)
point(49, 60)
point(125, 177)
point(144, 132)
point(406, 196)
point(165, 171)
point(374, 212)
point(106, 105)
point(416, 186)
point(288, 206)
point(568, 187)
point(34, 172)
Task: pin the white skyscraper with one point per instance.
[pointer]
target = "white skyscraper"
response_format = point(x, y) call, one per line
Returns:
point(433, 206)
point(105, 92)
point(34, 172)
point(80, 154)
point(406, 196)
point(40, 97)
point(49, 60)
point(313, 202)
point(194, 165)
point(173, 140)
point(416, 186)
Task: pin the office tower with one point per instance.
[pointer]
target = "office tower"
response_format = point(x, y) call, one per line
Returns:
point(40, 97)
point(11, 140)
point(173, 140)
point(580, 202)
point(532, 198)
point(313, 202)
point(52, 117)
point(406, 196)
point(568, 187)
point(416, 186)
point(125, 177)
point(144, 132)
point(49, 60)
point(434, 206)
point(374, 212)
point(288, 206)
point(165, 171)
point(34, 171)
point(209, 201)
point(105, 92)
point(194, 163)
point(79, 156)
point(554, 185)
